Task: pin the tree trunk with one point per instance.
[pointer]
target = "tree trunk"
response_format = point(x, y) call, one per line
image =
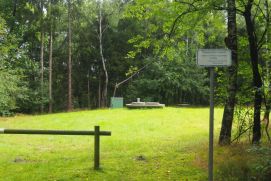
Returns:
point(50, 62)
point(88, 89)
point(257, 81)
point(266, 121)
point(267, 77)
point(225, 132)
point(267, 97)
point(99, 92)
point(266, 114)
point(104, 91)
point(14, 11)
point(267, 93)
point(69, 106)
point(41, 59)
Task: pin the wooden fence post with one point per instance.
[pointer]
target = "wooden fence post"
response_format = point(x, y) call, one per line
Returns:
point(96, 147)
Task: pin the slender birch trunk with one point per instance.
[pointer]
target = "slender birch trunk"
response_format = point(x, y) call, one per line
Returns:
point(105, 84)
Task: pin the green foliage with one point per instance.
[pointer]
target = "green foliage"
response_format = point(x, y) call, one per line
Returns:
point(171, 28)
point(243, 122)
point(171, 82)
point(173, 31)
point(250, 164)
point(9, 80)
point(16, 71)
point(8, 91)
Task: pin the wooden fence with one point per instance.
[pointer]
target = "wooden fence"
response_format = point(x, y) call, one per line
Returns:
point(96, 133)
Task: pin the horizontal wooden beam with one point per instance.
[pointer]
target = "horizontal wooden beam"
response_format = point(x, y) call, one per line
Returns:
point(52, 132)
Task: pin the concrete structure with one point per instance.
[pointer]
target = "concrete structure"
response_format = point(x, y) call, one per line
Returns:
point(140, 104)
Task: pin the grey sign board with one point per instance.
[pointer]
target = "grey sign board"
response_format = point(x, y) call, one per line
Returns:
point(214, 57)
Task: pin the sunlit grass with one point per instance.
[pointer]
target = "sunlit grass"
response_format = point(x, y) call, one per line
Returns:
point(149, 144)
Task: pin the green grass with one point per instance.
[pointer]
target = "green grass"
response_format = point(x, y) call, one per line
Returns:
point(172, 141)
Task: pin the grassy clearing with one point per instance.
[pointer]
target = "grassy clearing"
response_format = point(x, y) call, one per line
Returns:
point(151, 144)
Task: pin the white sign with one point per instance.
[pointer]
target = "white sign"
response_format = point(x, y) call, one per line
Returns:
point(214, 57)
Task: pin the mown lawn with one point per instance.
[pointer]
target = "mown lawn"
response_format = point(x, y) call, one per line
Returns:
point(150, 144)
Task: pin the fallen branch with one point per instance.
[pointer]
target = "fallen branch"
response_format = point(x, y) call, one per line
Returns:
point(125, 80)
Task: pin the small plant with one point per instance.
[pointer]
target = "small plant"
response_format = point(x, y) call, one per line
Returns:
point(243, 122)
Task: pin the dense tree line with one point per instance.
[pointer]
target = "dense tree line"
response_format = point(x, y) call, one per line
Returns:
point(61, 55)
point(76, 51)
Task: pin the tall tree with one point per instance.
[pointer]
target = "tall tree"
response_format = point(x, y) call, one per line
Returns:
point(231, 43)
point(105, 72)
point(50, 59)
point(257, 81)
point(266, 76)
point(69, 105)
point(41, 55)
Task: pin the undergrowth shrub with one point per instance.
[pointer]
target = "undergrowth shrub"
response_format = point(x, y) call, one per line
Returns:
point(252, 164)
point(233, 170)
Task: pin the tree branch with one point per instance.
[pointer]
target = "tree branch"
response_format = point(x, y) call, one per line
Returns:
point(267, 19)
point(257, 9)
point(220, 8)
point(261, 41)
point(14, 8)
point(188, 3)
point(192, 8)
point(177, 19)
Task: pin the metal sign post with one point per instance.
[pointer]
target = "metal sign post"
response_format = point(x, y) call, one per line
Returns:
point(211, 126)
point(212, 58)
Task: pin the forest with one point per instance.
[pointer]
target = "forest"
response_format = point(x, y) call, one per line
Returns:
point(63, 55)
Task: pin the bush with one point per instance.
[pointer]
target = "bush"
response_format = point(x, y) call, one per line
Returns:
point(234, 170)
point(9, 91)
point(253, 164)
